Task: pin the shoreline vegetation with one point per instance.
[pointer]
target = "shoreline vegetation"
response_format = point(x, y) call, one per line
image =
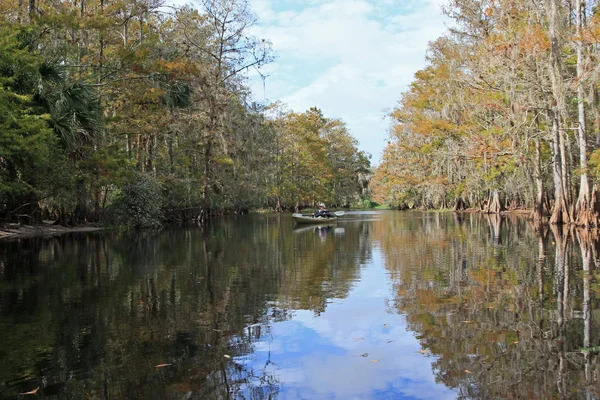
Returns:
point(506, 114)
point(130, 114)
point(50, 228)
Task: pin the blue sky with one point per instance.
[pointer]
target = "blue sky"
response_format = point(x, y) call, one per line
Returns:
point(323, 357)
point(350, 58)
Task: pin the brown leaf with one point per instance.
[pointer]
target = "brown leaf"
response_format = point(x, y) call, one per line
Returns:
point(467, 371)
point(34, 391)
point(364, 354)
point(161, 365)
point(467, 321)
point(516, 342)
point(374, 361)
point(490, 306)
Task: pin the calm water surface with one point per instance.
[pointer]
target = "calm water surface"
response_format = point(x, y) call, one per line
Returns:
point(382, 305)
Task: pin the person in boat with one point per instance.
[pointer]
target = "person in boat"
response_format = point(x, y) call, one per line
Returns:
point(322, 212)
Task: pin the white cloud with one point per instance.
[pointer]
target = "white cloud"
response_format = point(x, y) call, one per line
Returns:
point(324, 356)
point(351, 58)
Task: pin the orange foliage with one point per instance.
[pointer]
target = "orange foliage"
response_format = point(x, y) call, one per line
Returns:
point(535, 39)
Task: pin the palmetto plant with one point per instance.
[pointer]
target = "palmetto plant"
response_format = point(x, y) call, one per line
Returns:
point(73, 107)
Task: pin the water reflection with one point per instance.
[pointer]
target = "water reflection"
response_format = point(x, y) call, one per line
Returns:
point(161, 314)
point(379, 305)
point(507, 309)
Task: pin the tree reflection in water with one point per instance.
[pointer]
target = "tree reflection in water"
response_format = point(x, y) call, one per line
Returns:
point(505, 310)
point(171, 314)
point(503, 321)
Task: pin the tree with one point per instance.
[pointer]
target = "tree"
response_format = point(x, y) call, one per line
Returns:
point(133, 91)
point(30, 156)
point(314, 160)
point(230, 50)
point(495, 102)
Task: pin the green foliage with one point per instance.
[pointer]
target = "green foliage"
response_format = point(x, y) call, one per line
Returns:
point(594, 164)
point(91, 95)
point(180, 95)
point(29, 152)
point(317, 160)
point(137, 205)
point(365, 204)
point(75, 113)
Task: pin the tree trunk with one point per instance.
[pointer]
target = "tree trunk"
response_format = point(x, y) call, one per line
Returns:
point(141, 30)
point(494, 205)
point(20, 11)
point(125, 33)
point(32, 10)
point(171, 156)
point(565, 153)
point(127, 146)
point(150, 154)
point(560, 214)
point(596, 111)
point(583, 201)
point(459, 204)
point(559, 211)
point(138, 152)
point(538, 212)
point(206, 182)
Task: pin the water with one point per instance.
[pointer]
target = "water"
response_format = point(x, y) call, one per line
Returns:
point(381, 305)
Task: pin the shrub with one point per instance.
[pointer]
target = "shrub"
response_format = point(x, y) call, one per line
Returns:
point(137, 205)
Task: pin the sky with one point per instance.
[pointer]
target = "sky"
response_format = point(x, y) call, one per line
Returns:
point(350, 58)
point(372, 355)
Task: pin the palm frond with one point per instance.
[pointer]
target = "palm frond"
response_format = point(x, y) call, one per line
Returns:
point(76, 114)
point(52, 71)
point(179, 95)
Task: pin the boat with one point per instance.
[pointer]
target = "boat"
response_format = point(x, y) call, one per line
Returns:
point(309, 219)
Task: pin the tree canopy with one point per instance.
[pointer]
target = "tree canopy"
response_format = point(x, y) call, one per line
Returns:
point(103, 100)
point(505, 115)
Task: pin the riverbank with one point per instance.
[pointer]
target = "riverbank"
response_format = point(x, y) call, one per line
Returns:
point(14, 231)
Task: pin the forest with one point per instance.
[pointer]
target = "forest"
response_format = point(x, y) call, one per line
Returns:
point(504, 116)
point(136, 112)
